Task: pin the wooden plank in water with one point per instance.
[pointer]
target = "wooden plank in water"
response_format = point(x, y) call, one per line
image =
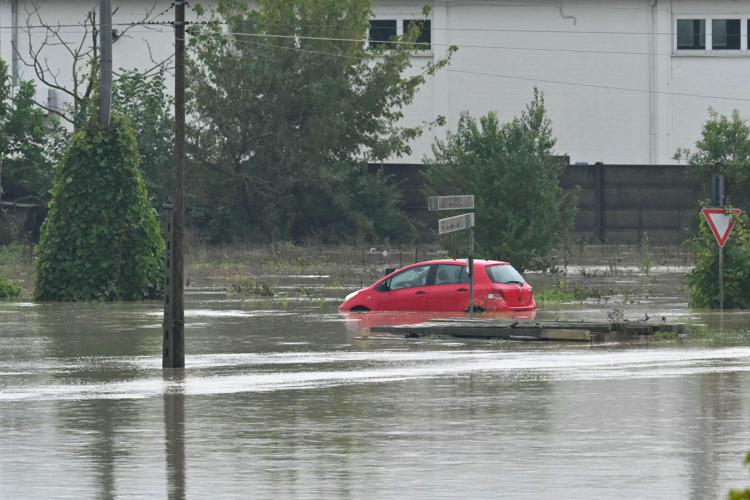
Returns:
point(533, 330)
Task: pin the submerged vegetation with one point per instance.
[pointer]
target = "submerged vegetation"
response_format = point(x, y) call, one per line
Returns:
point(9, 290)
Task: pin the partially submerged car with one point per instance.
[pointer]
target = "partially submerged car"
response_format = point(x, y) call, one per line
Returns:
point(443, 285)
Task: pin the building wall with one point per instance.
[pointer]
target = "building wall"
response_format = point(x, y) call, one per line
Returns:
point(616, 89)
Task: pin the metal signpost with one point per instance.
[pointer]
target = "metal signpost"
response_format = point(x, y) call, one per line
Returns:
point(458, 223)
point(721, 221)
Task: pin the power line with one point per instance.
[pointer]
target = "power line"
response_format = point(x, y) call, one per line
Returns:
point(597, 86)
point(458, 45)
point(529, 79)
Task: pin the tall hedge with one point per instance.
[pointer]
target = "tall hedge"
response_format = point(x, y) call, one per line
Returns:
point(101, 240)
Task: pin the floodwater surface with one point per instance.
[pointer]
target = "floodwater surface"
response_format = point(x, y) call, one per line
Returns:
point(288, 399)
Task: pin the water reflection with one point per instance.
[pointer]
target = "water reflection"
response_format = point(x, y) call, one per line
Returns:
point(360, 322)
point(174, 433)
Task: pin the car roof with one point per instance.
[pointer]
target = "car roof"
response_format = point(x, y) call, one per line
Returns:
point(480, 262)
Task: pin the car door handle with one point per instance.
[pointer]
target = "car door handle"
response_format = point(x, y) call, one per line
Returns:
point(421, 292)
point(462, 290)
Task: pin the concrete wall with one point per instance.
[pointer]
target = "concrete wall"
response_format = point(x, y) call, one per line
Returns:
point(616, 204)
point(622, 203)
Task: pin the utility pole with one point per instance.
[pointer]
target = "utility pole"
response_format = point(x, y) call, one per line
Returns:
point(173, 353)
point(105, 41)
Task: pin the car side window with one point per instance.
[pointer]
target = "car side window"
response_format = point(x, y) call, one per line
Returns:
point(416, 276)
point(450, 274)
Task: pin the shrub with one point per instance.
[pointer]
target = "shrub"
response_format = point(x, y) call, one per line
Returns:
point(9, 290)
point(101, 239)
point(703, 280)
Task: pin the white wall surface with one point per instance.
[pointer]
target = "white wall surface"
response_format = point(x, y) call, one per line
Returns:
point(613, 82)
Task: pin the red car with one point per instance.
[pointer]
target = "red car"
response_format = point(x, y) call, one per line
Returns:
point(443, 285)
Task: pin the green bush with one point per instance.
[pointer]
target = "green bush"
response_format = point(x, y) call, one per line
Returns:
point(522, 214)
point(8, 290)
point(703, 280)
point(101, 239)
point(741, 494)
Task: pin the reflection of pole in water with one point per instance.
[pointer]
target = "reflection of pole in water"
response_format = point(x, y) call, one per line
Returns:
point(174, 427)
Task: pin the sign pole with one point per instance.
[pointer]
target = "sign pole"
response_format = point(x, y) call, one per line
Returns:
point(471, 271)
point(721, 221)
point(721, 279)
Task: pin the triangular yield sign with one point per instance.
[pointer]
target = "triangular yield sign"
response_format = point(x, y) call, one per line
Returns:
point(721, 221)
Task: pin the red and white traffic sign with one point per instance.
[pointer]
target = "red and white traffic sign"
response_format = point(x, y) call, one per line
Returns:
point(721, 221)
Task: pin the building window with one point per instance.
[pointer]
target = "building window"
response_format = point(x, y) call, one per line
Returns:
point(691, 34)
point(382, 31)
point(725, 34)
point(425, 32)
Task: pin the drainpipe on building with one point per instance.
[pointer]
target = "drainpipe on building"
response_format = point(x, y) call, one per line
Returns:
point(652, 43)
point(14, 43)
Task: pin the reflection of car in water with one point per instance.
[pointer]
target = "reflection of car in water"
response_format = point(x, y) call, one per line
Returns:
point(358, 321)
point(443, 285)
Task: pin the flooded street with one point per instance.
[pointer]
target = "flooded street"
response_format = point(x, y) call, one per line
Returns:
point(285, 398)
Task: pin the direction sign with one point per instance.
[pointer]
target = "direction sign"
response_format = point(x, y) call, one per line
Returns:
point(721, 221)
point(457, 223)
point(459, 202)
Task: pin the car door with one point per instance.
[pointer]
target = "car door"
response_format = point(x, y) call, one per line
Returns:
point(406, 291)
point(450, 291)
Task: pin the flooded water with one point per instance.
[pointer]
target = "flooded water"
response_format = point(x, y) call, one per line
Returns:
point(287, 399)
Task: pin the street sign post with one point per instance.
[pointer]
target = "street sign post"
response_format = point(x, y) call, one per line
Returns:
point(458, 223)
point(721, 221)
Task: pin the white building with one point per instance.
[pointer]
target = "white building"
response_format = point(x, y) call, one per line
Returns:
point(625, 81)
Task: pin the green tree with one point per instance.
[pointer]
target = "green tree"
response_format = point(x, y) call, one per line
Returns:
point(703, 280)
point(522, 214)
point(101, 239)
point(144, 100)
point(724, 147)
point(25, 139)
point(286, 122)
point(741, 494)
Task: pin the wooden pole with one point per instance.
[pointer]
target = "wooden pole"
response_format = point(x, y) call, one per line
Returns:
point(173, 354)
point(105, 41)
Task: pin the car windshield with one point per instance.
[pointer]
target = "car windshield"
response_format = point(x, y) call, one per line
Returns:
point(505, 274)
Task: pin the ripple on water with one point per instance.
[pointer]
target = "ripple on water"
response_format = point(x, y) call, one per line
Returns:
point(284, 371)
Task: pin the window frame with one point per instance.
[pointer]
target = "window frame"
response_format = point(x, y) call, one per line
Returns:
point(464, 272)
point(744, 49)
point(677, 35)
point(379, 43)
point(428, 277)
point(739, 35)
point(400, 18)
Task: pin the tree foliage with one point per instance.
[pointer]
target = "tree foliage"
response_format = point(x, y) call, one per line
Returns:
point(101, 239)
point(724, 147)
point(25, 140)
point(144, 100)
point(285, 124)
point(741, 494)
point(522, 214)
point(703, 280)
